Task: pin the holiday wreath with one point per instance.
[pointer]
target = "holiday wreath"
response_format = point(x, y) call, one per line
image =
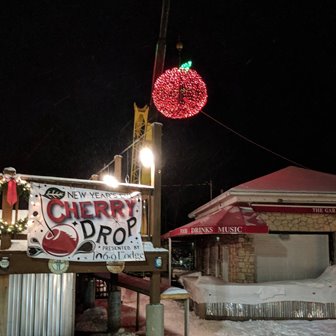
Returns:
point(22, 189)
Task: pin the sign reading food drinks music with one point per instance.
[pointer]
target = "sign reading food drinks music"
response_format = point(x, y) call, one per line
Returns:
point(69, 223)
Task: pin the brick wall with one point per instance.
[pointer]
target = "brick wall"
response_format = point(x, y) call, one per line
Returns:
point(241, 263)
point(241, 259)
point(299, 222)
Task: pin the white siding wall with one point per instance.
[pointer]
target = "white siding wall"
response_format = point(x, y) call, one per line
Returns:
point(290, 257)
point(41, 305)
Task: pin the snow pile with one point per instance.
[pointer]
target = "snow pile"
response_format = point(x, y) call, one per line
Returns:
point(208, 289)
point(174, 322)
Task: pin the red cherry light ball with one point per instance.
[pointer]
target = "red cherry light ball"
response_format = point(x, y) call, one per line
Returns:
point(60, 241)
point(179, 93)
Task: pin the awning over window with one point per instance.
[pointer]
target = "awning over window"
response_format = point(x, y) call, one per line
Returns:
point(230, 220)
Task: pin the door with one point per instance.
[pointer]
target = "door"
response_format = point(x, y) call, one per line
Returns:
point(290, 256)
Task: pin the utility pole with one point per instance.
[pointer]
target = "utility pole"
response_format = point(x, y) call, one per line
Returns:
point(154, 310)
point(160, 53)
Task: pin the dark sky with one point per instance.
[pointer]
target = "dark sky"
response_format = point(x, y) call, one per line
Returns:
point(71, 71)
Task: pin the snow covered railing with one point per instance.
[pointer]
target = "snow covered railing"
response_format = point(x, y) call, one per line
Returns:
point(282, 310)
point(294, 299)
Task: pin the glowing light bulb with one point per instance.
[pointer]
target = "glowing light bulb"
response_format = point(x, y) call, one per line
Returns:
point(146, 157)
point(110, 181)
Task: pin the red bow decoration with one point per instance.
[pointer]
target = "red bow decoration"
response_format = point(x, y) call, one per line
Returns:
point(11, 192)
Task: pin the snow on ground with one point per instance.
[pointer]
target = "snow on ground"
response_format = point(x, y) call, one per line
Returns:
point(174, 323)
point(324, 286)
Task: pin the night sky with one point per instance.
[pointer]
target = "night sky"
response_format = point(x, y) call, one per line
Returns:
point(71, 71)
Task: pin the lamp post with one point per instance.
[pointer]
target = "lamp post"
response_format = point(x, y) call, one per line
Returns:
point(154, 310)
point(114, 297)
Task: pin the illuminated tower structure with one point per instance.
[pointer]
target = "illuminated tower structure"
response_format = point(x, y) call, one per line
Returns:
point(142, 135)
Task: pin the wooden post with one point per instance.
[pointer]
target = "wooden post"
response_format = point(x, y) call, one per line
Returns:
point(156, 199)
point(154, 310)
point(114, 299)
point(6, 212)
point(155, 222)
point(5, 244)
point(4, 284)
point(118, 167)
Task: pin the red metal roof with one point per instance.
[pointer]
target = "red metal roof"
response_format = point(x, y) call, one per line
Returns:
point(288, 180)
point(292, 179)
point(229, 220)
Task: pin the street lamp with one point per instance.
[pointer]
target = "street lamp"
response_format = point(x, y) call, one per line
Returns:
point(146, 158)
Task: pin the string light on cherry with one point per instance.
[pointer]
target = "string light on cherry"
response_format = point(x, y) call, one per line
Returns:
point(180, 92)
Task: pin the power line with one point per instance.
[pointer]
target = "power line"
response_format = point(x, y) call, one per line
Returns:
point(106, 166)
point(253, 142)
point(186, 185)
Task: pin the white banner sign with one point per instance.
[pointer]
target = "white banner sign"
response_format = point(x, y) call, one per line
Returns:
point(69, 223)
